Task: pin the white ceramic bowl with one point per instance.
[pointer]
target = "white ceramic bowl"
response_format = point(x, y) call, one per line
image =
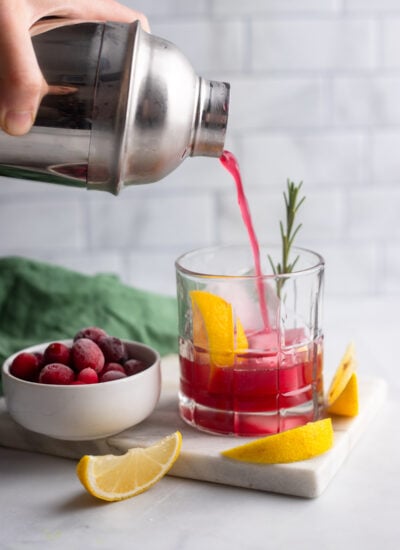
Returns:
point(89, 411)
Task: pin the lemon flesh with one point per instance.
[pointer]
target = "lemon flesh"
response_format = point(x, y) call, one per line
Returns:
point(346, 404)
point(342, 398)
point(215, 329)
point(111, 477)
point(344, 372)
point(293, 445)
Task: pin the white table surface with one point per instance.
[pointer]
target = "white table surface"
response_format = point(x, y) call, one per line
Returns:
point(44, 506)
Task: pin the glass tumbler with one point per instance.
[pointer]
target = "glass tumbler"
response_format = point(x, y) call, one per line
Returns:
point(250, 347)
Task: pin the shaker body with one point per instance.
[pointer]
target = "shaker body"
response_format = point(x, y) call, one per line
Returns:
point(124, 107)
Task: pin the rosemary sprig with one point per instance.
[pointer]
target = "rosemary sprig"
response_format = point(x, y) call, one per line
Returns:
point(288, 234)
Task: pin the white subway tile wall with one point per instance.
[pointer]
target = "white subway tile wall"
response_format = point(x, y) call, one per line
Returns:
point(315, 96)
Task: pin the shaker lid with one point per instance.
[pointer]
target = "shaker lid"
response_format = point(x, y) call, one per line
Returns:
point(211, 119)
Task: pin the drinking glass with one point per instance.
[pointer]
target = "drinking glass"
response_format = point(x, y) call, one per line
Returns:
point(250, 347)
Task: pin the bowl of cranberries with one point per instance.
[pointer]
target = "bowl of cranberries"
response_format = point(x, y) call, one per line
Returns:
point(89, 387)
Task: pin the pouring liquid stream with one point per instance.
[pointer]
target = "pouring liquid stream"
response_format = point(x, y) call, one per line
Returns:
point(228, 160)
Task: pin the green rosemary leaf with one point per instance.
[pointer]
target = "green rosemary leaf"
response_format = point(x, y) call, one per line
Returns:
point(282, 230)
point(288, 235)
point(294, 234)
point(272, 265)
point(292, 265)
point(299, 204)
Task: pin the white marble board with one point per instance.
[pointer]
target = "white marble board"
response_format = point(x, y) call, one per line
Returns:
point(200, 455)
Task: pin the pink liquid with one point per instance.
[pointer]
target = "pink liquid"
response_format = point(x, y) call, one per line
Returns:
point(229, 162)
point(248, 398)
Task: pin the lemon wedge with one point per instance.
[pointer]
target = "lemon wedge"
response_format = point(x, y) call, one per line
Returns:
point(215, 329)
point(342, 397)
point(346, 404)
point(346, 368)
point(111, 477)
point(293, 445)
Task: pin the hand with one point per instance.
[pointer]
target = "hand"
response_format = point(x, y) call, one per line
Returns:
point(22, 85)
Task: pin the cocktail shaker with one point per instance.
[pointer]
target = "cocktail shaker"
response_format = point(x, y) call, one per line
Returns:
point(123, 107)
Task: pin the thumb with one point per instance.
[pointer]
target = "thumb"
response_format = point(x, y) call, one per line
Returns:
point(22, 85)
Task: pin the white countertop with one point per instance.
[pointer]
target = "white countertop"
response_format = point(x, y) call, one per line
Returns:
point(43, 504)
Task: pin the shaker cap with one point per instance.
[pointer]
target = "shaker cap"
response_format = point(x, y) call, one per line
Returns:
point(211, 118)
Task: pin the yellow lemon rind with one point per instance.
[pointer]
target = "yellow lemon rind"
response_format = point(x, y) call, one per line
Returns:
point(297, 444)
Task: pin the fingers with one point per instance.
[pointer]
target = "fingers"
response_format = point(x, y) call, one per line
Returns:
point(21, 83)
point(100, 10)
point(114, 11)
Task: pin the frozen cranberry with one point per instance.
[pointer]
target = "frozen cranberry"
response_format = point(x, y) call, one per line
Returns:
point(93, 333)
point(77, 383)
point(87, 354)
point(40, 356)
point(112, 375)
point(56, 373)
point(57, 353)
point(25, 365)
point(113, 349)
point(133, 366)
point(88, 376)
point(113, 366)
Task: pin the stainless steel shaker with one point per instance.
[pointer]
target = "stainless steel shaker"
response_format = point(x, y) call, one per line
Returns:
point(124, 107)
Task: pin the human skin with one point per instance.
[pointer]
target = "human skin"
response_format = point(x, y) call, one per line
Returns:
point(22, 85)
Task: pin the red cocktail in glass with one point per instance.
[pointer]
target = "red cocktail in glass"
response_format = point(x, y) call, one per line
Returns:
point(268, 380)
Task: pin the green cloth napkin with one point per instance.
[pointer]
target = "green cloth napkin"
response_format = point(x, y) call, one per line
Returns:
point(40, 302)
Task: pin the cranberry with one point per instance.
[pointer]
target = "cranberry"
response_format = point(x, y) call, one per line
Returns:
point(112, 375)
point(56, 373)
point(113, 366)
point(113, 349)
point(93, 333)
point(88, 376)
point(57, 353)
point(133, 366)
point(87, 354)
point(25, 365)
point(40, 356)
